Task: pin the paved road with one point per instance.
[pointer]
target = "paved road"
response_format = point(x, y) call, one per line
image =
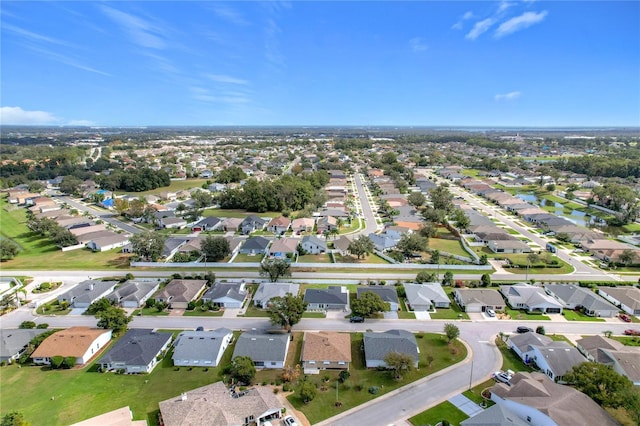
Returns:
point(371, 225)
point(104, 215)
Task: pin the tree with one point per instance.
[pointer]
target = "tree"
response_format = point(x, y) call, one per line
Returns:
point(435, 256)
point(70, 185)
point(485, 280)
point(628, 257)
point(411, 243)
point(121, 205)
point(36, 187)
point(484, 260)
point(540, 330)
point(27, 324)
point(275, 268)
point(307, 391)
point(426, 277)
point(113, 318)
point(242, 369)
point(148, 244)
point(368, 303)
point(14, 418)
point(215, 248)
point(99, 305)
point(8, 249)
point(361, 246)
point(462, 221)
point(136, 207)
point(416, 199)
point(451, 331)
point(399, 362)
point(286, 311)
point(599, 382)
point(441, 198)
point(448, 278)
point(62, 237)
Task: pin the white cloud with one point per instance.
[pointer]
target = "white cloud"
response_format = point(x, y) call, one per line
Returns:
point(142, 32)
point(81, 123)
point(230, 15)
point(518, 23)
point(504, 6)
point(18, 116)
point(417, 44)
point(479, 28)
point(458, 25)
point(34, 36)
point(507, 96)
point(221, 78)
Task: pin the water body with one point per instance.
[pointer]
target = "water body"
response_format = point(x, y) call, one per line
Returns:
point(575, 216)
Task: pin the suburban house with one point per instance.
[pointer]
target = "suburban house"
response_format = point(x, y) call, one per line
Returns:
point(478, 300)
point(265, 350)
point(87, 292)
point(121, 417)
point(267, 291)
point(284, 248)
point(325, 224)
point(201, 348)
point(279, 225)
point(325, 350)
point(313, 245)
point(530, 298)
point(134, 293)
point(341, 245)
point(172, 222)
point(231, 224)
point(254, 246)
point(82, 343)
point(332, 297)
point(252, 223)
point(553, 358)
point(13, 342)
point(215, 404)
point(541, 402)
point(625, 360)
point(108, 242)
point(226, 295)
point(138, 351)
point(387, 294)
point(511, 245)
point(576, 297)
point(303, 224)
point(425, 297)
point(178, 293)
point(383, 242)
point(378, 345)
point(627, 298)
point(206, 224)
point(495, 415)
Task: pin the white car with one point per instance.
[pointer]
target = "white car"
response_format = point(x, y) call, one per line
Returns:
point(503, 376)
point(290, 421)
point(490, 312)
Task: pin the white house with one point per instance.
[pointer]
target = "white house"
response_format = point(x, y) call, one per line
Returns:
point(81, 343)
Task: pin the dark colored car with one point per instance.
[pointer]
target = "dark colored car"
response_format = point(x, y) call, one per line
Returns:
point(356, 319)
point(522, 329)
point(200, 328)
point(632, 332)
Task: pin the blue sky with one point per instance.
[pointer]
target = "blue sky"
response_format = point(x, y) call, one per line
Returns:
point(426, 63)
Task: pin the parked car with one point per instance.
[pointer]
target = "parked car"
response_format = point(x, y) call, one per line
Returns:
point(503, 376)
point(625, 317)
point(522, 329)
point(200, 328)
point(632, 332)
point(490, 312)
point(356, 319)
point(290, 421)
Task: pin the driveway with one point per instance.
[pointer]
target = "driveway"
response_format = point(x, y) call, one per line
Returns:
point(390, 315)
point(422, 315)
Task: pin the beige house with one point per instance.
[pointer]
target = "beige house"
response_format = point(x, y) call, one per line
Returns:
point(325, 350)
point(82, 343)
point(178, 293)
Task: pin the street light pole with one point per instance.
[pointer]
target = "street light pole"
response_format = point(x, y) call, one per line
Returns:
point(471, 375)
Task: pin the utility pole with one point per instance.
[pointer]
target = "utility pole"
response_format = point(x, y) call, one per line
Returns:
point(471, 375)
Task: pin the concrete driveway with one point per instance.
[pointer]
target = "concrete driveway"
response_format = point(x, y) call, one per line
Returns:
point(422, 315)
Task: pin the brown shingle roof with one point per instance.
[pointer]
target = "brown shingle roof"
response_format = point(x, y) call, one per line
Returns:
point(326, 346)
point(74, 341)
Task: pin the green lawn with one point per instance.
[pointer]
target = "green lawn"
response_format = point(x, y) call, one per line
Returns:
point(523, 315)
point(454, 312)
point(314, 258)
point(176, 185)
point(443, 411)
point(510, 361)
point(475, 393)
point(52, 308)
point(39, 253)
point(151, 311)
point(579, 316)
point(245, 258)
point(314, 315)
point(62, 397)
point(361, 379)
point(448, 246)
point(253, 311)
point(199, 313)
point(627, 340)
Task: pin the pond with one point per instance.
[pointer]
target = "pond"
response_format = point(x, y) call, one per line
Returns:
point(575, 216)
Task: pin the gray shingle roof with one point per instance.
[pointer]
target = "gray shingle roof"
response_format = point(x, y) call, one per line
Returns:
point(496, 415)
point(332, 295)
point(219, 290)
point(262, 347)
point(198, 345)
point(137, 347)
point(387, 294)
point(378, 345)
point(133, 290)
point(572, 294)
point(14, 340)
point(87, 291)
point(267, 291)
point(255, 243)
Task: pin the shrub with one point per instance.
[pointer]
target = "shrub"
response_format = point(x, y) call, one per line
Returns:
point(540, 330)
point(27, 324)
point(69, 362)
point(374, 390)
point(56, 361)
point(344, 375)
point(43, 325)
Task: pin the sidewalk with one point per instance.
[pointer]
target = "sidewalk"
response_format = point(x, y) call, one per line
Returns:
point(465, 405)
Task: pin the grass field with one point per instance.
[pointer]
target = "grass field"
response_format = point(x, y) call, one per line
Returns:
point(314, 258)
point(443, 411)
point(361, 379)
point(245, 258)
point(448, 246)
point(39, 253)
point(176, 185)
point(62, 397)
point(524, 315)
point(579, 316)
